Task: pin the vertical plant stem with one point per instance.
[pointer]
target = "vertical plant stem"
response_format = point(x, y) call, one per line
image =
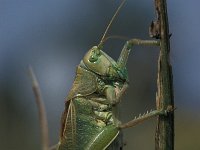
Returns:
point(164, 138)
point(41, 110)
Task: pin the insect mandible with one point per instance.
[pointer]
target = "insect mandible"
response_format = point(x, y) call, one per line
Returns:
point(89, 121)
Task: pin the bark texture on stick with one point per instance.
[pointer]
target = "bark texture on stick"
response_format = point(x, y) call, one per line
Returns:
point(164, 138)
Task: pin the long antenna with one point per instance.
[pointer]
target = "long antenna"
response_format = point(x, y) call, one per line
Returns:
point(111, 21)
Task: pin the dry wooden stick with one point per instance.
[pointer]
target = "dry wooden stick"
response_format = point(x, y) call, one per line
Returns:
point(164, 138)
point(41, 110)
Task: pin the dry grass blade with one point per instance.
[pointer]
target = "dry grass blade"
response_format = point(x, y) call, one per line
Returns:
point(41, 110)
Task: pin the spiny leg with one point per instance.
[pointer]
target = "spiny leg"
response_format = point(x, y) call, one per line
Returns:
point(148, 115)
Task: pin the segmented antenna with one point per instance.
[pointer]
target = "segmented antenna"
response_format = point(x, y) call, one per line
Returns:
point(111, 21)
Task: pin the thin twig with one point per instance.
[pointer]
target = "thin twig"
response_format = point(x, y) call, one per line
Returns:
point(41, 110)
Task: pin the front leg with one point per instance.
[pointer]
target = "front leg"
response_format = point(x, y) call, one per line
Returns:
point(120, 91)
point(114, 93)
point(123, 58)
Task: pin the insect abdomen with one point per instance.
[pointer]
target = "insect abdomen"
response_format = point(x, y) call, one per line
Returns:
point(104, 138)
point(92, 133)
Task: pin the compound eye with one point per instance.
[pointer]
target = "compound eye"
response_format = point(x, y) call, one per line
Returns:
point(94, 55)
point(93, 58)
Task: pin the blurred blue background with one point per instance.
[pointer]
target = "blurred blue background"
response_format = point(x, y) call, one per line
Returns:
point(53, 36)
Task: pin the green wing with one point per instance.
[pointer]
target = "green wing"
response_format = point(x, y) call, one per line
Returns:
point(68, 127)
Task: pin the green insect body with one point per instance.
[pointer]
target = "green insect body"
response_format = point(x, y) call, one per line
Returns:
point(89, 121)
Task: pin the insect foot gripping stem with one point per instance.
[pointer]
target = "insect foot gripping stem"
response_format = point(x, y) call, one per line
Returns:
point(122, 60)
point(146, 116)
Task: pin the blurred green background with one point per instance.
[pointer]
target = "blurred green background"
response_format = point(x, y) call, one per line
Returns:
point(53, 36)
